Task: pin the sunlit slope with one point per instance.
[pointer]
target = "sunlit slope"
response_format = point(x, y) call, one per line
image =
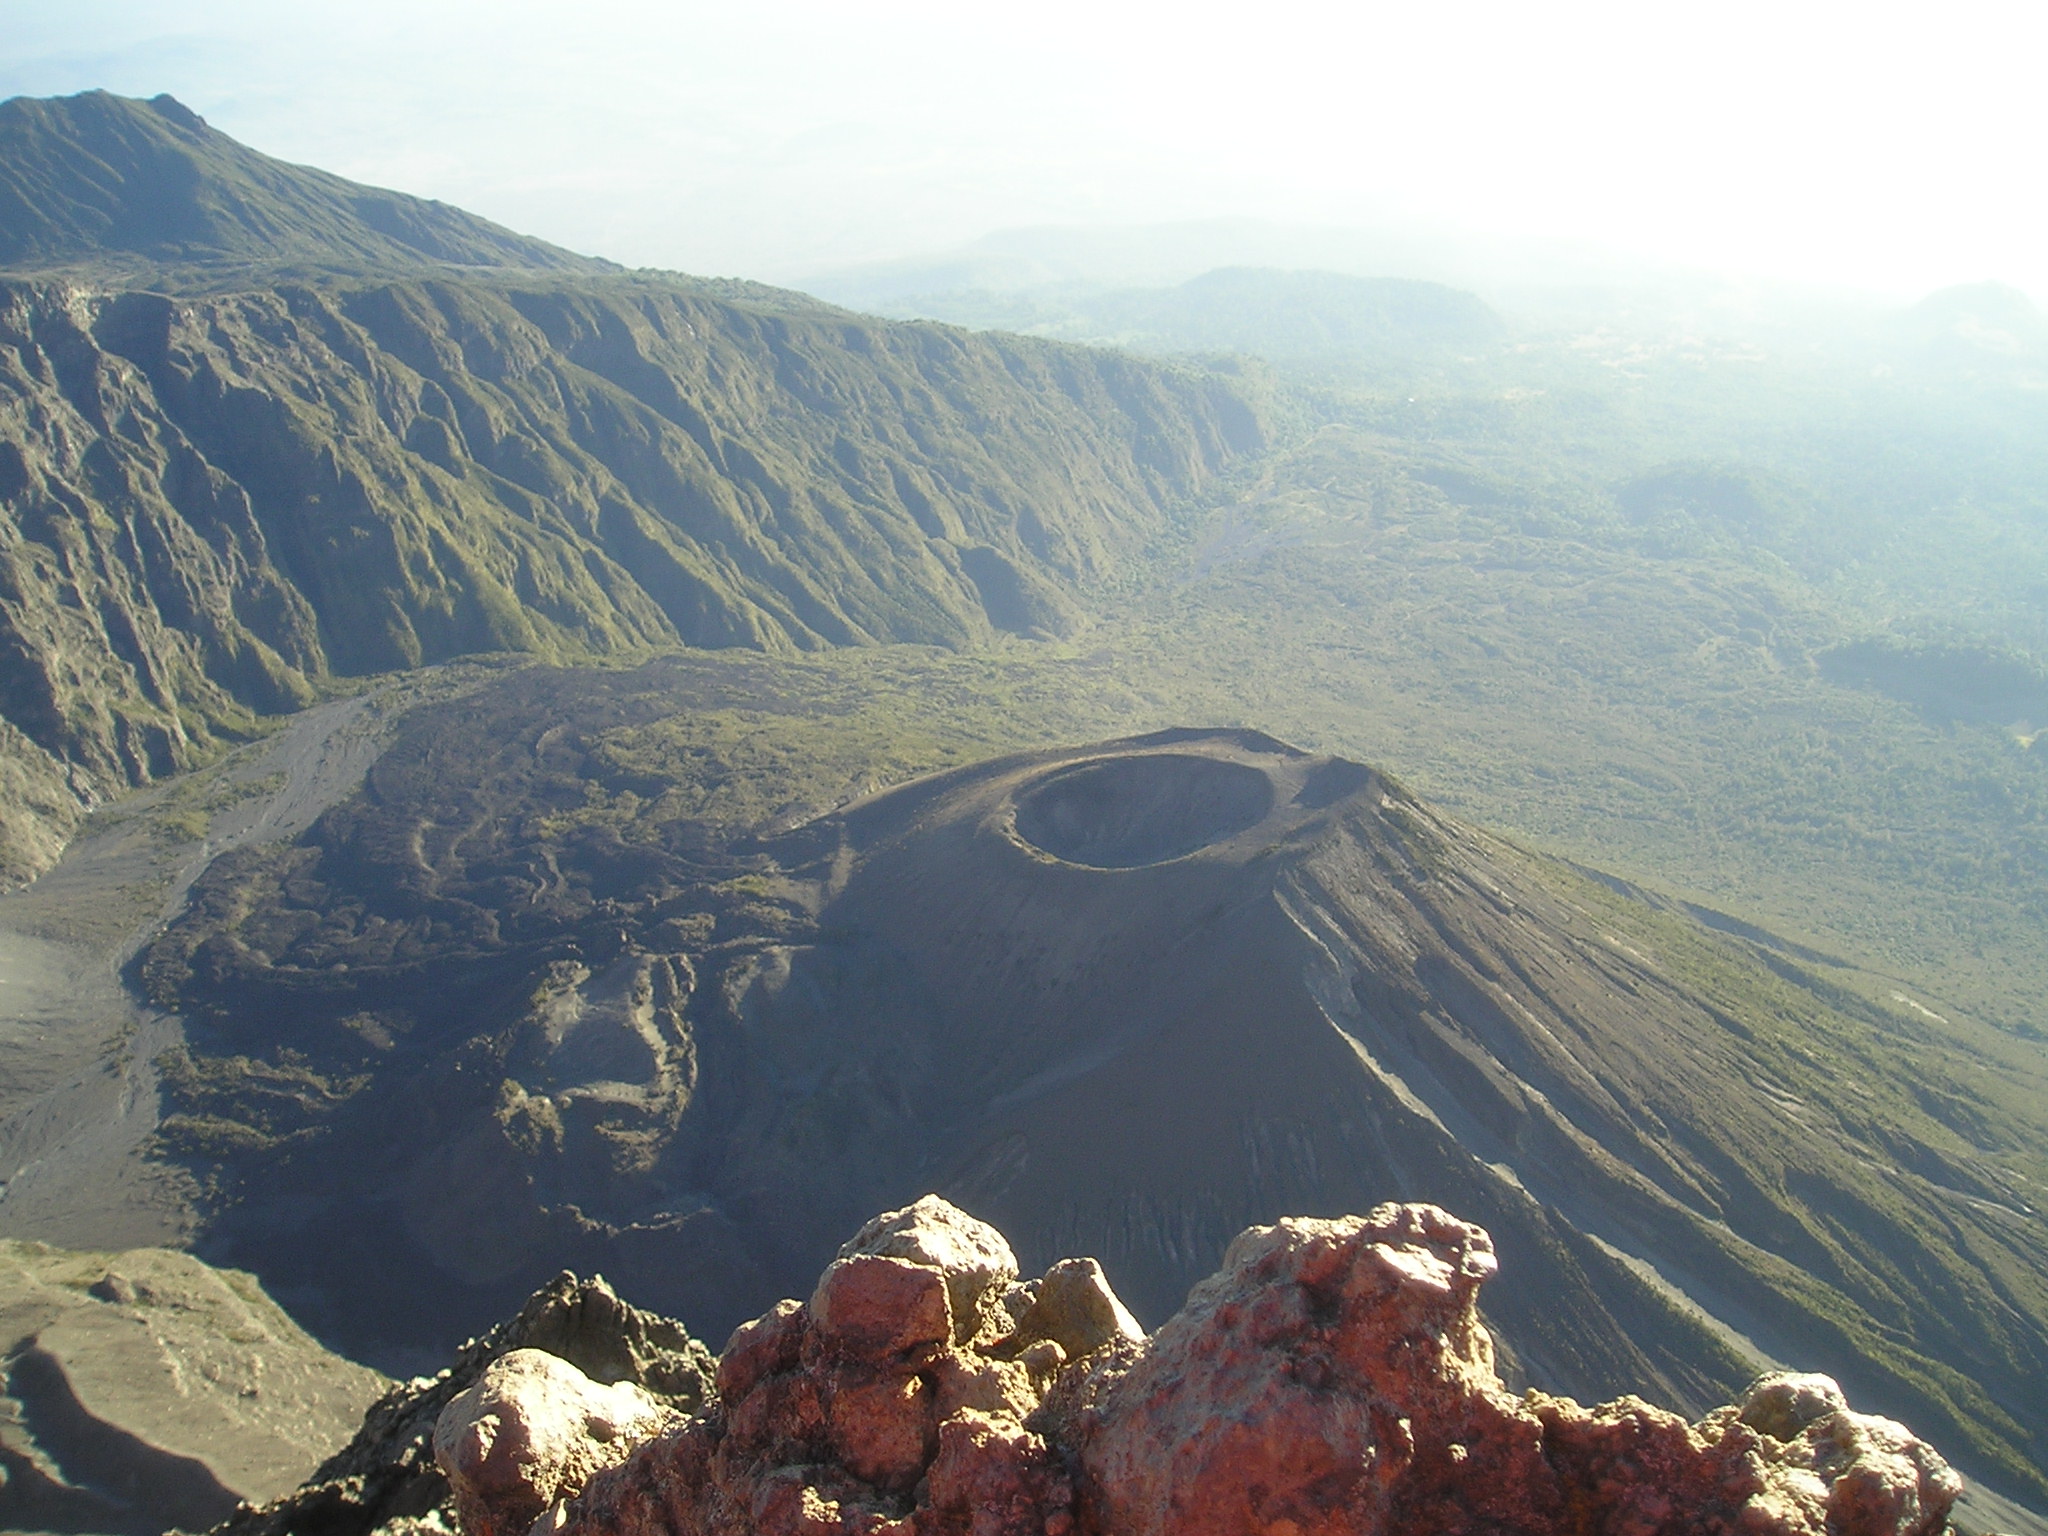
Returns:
point(98, 179)
point(208, 505)
point(146, 1389)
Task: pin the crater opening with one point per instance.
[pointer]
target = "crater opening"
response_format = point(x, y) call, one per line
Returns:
point(1126, 812)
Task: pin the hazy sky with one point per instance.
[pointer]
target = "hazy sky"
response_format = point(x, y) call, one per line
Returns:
point(1890, 146)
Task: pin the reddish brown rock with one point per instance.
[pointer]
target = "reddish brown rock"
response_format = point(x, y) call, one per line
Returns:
point(1074, 1308)
point(1335, 1378)
point(1332, 1380)
point(530, 1431)
point(892, 1403)
point(1293, 1391)
point(993, 1477)
point(869, 1307)
point(972, 1255)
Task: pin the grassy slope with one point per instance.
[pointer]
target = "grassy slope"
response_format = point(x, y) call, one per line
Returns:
point(1525, 584)
point(1588, 754)
point(1665, 719)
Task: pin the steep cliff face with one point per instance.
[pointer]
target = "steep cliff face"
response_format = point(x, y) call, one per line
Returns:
point(374, 431)
point(209, 505)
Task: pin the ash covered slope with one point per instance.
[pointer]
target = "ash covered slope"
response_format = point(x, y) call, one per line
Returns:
point(1126, 1000)
point(96, 178)
point(211, 504)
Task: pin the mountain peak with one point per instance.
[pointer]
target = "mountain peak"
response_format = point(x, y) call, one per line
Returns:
point(97, 179)
point(166, 105)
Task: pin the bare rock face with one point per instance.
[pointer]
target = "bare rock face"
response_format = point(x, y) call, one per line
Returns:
point(1302, 1382)
point(1877, 1475)
point(1333, 1379)
point(530, 1429)
point(1074, 1307)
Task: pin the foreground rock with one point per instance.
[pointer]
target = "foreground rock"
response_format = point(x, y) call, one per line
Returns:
point(534, 1429)
point(1333, 1379)
point(386, 1478)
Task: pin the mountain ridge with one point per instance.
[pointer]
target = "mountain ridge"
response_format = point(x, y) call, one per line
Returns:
point(97, 178)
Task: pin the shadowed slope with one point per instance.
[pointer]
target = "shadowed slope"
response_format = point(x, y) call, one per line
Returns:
point(1352, 998)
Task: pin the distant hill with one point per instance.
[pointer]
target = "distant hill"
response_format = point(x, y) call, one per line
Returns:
point(1266, 311)
point(1979, 320)
point(1296, 314)
point(1547, 274)
point(96, 176)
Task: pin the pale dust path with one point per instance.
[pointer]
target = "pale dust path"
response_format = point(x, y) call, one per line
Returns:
point(78, 1088)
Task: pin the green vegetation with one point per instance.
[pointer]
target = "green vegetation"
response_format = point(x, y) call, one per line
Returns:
point(1748, 608)
point(184, 812)
point(576, 817)
point(1673, 720)
point(1746, 602)
point(269, 1103)
point(1834, 1046)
